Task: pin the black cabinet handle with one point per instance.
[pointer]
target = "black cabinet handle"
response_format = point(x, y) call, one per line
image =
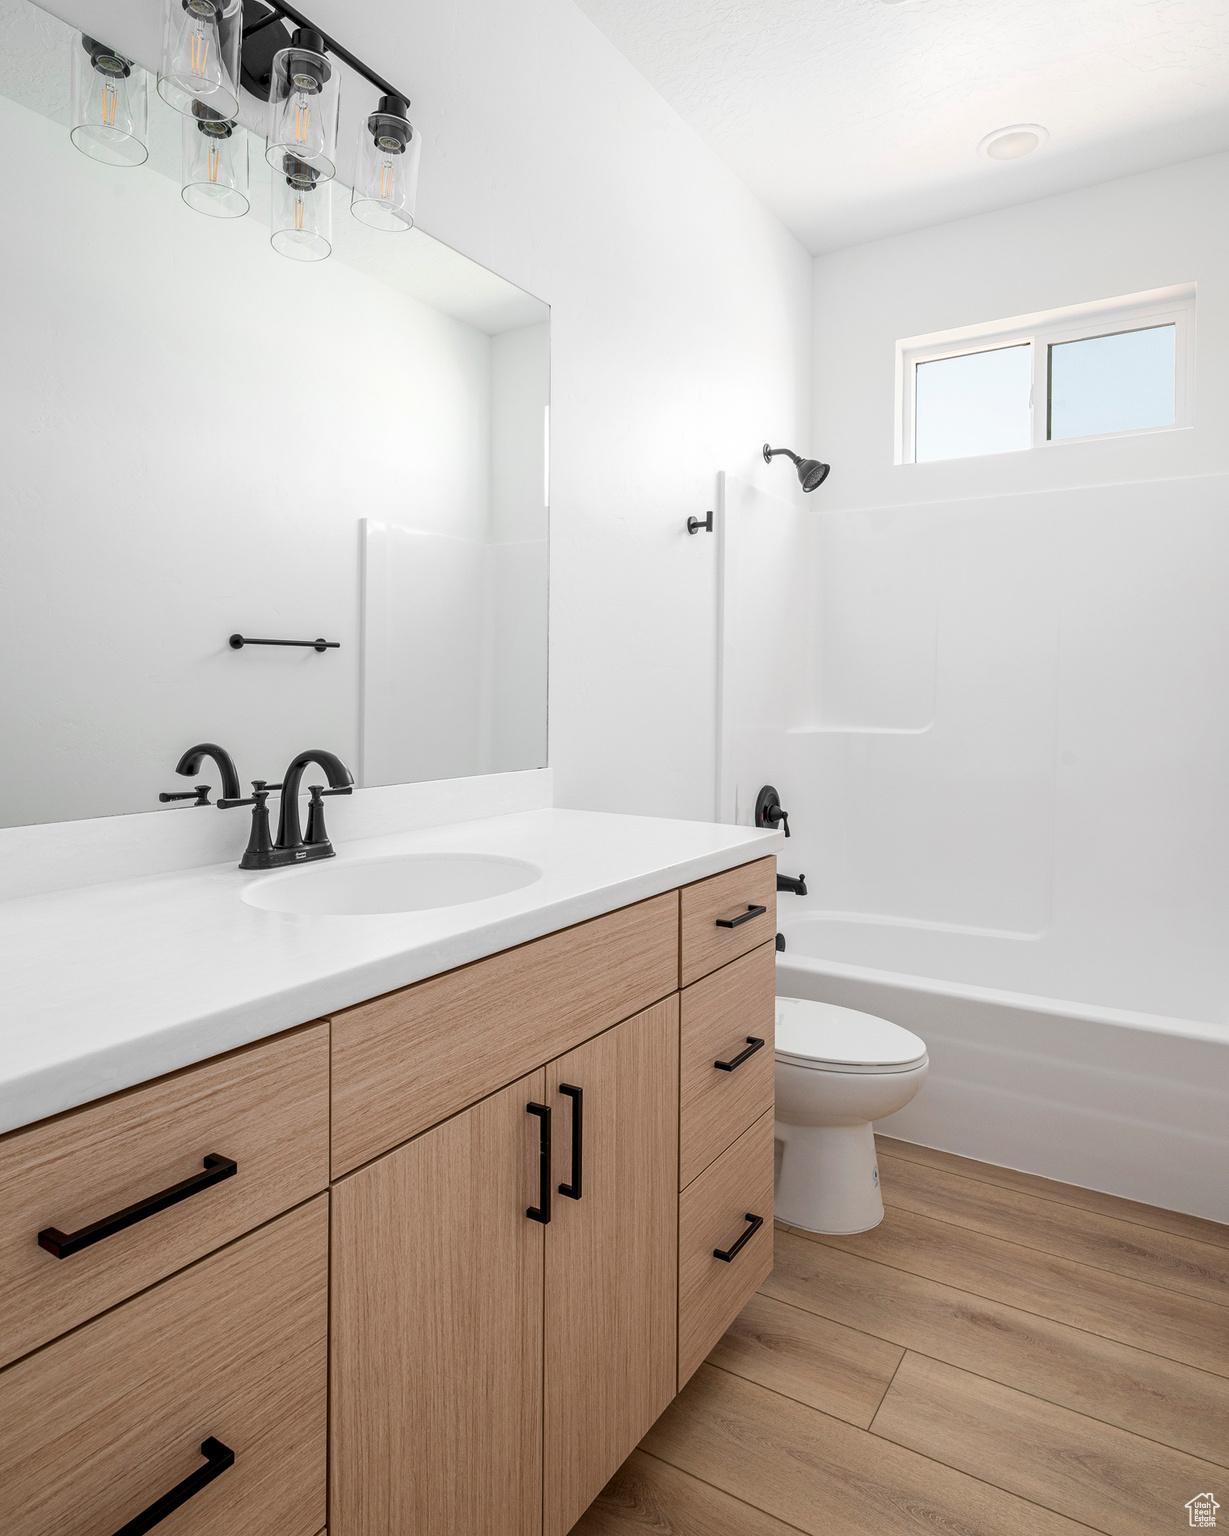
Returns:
point(541, 1211)
point(218, 1458)
point(737, 922)
point(577, 1096)
point(729, 1253)
point(753, 1045)
point(63, 1243)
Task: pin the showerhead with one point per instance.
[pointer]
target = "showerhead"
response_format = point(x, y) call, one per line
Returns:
point(811, 473)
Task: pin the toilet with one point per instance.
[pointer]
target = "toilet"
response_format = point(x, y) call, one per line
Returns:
point(837, 1071)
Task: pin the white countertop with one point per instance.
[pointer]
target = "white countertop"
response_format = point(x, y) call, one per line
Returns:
point(110, 985)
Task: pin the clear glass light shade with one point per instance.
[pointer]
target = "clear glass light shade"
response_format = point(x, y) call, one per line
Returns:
point(110, 104)
point(302, 220)
point(201, 43)
point(214, 166)
point(386, 172)
point(304, 95)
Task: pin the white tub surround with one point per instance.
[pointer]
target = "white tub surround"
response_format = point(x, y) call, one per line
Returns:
point(1135, 1103)
point(113, 984)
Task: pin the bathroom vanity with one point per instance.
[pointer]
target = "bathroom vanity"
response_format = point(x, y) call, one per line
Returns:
point(436, 1261)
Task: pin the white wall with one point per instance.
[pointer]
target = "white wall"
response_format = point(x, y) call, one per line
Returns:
point(680, 334)
point(1020, 718)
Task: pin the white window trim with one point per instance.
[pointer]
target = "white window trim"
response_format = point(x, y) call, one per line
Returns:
point(1078, 322)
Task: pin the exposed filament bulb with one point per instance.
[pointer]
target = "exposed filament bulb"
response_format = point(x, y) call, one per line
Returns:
point(199, 54)
point(107, 106)
point(302, 119)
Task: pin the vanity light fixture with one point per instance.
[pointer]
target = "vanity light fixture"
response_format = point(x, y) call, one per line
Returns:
point(201, 44)
point(214, 165)
point(304, 98)
point(207, 51)
point(297, 76)
point(386, 169)
point(110, 104)
point(811, 473)
point(302, 218)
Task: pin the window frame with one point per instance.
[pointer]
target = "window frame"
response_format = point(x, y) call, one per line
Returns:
point(1078, 322)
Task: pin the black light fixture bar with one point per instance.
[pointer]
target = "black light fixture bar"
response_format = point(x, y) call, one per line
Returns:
point(278, 8)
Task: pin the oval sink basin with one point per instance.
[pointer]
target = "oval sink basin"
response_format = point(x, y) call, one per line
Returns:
point(400, 883)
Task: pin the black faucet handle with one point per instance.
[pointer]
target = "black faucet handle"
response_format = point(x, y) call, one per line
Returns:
point(261, 790)
point(316, 835)
point(199, 795)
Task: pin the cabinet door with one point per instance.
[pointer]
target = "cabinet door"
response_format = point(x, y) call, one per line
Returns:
point(436, 1379)
point(611, 1257)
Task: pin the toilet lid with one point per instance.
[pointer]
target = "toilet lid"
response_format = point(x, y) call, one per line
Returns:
point(811, 1034)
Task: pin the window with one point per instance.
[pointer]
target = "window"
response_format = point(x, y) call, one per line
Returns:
point(1111, 369)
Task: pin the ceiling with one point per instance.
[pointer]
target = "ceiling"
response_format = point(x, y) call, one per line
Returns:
point(855, 119)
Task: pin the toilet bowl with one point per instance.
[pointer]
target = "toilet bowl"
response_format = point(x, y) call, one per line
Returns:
point(837, 1071)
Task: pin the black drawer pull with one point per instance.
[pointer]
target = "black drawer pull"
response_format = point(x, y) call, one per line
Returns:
point(753, 1045)
point(541, 1211)
point(577, 1096)
point(729, 1253)
point(217, 1458)
point(737, 922)
point(63, 1243)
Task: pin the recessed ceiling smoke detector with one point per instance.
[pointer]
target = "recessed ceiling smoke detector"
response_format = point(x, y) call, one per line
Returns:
point(1013, 143)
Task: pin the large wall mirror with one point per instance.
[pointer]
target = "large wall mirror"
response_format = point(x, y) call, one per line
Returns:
point(202, 439)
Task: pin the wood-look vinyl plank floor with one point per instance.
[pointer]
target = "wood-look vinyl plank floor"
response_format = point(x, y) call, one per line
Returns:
point(1029, 1358)
point(1148, 1317)
point(1176, 1222)
point(1140, 1392)
point(647, 1497)
point(809, 1358)
point(1125, 1248)
point(825, 1476)
point(1111, 1480)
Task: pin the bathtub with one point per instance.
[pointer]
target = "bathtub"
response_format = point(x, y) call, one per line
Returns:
point(1130, 1102)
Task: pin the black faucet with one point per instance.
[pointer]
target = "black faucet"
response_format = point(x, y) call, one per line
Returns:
point(291, 847)
point(788, 883)
point(190, 765)
point(289, 832)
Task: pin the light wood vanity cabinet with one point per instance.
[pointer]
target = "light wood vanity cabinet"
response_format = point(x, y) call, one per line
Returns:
point(487, 1371)
point(101, 1425)
point(436, 1330)
point(611, 1257)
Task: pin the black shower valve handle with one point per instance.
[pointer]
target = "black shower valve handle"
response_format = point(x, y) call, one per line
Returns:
point(775, 815)
point(769, 812)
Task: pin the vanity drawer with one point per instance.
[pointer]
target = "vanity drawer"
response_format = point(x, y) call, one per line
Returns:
point(408, 1060)
point(712, 1215)
point(718, 1015)
point(718, 920)
point(100, 1425)
point(265, 1108)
